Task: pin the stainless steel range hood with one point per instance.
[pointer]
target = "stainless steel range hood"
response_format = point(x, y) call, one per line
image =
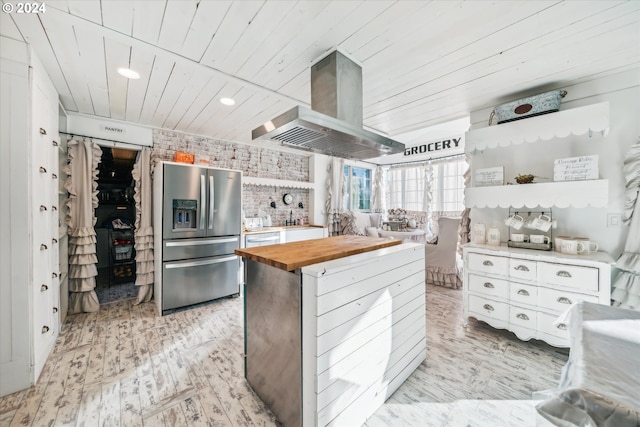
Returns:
point(333, 126)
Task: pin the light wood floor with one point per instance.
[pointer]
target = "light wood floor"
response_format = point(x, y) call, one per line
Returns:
point(127, 366)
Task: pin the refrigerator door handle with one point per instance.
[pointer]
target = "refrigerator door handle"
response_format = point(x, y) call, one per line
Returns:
point(199, 263)
point(201, 242)
point(211, 204)
point(203, 197)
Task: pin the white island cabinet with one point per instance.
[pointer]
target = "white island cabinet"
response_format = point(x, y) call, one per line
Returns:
point(29, 237)
point(526, 291)
point(333, 326)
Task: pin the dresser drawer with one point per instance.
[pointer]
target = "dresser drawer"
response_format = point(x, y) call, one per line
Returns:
point(519, 292)
point(489, 286)
point(545, 325)
point(488, 264)
point(524, 317)
point(585, 278)
point(558, 300)
point(489, 308)
point(522, 269)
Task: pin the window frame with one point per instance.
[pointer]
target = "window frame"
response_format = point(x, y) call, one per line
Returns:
point(347, 172)
point(439, 202)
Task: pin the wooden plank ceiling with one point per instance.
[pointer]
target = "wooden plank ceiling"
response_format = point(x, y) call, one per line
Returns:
point(424, 62)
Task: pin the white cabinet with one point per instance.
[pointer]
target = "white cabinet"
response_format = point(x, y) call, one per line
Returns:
point(29, 238)
point(525, 291)
point(305, 233)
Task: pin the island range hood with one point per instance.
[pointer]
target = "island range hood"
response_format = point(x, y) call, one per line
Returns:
point(333, 126)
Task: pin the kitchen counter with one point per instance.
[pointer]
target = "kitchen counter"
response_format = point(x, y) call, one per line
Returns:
point(333, 326)
point(289, 256)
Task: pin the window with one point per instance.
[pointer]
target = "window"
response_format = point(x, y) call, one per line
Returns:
point(407, 187)
point(448, 186)
point(358, 188)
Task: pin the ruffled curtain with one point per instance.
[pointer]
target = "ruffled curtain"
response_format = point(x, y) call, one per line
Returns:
point(428, 198)
point(82, 185)
point(335, 195)
point(465, 222)
point(378, 191)
point(144, 230)
point(626, 285)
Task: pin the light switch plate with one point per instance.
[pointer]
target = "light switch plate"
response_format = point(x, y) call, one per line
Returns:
point(614, 220)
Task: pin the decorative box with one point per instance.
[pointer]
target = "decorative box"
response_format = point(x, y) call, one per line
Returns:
point(543, 103)
point(183, 157)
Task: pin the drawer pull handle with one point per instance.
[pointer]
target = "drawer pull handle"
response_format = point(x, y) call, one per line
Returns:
point(45, 329)
point(523, 292)
point(488, 285)
point(564, 300)
point(44, 288)
point(521, 268)
point(42, 170)
point(488, 263)
point(488, 307)
point(55, 309)
point(522, 316)
point(43, 247)
point(561, 326)
point(54, 241)
point(54, 275)
point(55, 143)
point(43, 208)
point(54, 208)
point(563, 273)
point(42, 131)
point(54, 176)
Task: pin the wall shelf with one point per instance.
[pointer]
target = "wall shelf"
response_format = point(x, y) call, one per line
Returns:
point(575, 121)
point(271, 182)
point(577, 194)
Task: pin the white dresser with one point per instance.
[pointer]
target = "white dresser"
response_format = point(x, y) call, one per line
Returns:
point(525, 290)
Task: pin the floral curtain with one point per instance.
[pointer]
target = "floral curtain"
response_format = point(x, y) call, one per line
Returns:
point(143, 226)
point(336, 191)
point(626, 285)
point(82, 185)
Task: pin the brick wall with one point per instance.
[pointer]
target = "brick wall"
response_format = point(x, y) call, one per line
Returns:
point(256, 201)
point(252, 161)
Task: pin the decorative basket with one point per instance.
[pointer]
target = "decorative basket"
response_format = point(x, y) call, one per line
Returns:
point(543, 103)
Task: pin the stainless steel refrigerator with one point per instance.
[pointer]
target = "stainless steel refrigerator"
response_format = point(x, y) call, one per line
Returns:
point(199, 209)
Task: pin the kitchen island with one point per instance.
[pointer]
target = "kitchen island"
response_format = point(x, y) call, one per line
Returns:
point(333, 326)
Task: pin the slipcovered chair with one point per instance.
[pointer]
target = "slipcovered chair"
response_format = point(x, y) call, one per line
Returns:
point(441, 257)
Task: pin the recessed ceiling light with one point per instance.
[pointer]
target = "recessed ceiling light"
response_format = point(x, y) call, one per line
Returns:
point(128, 73)
point(227, 101)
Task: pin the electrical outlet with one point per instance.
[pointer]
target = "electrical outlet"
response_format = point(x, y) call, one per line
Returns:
point(614, 220)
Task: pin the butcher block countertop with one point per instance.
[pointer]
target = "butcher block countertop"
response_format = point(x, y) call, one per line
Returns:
point(289, 256)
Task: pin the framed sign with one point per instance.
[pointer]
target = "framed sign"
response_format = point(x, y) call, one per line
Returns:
point(489, 176)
